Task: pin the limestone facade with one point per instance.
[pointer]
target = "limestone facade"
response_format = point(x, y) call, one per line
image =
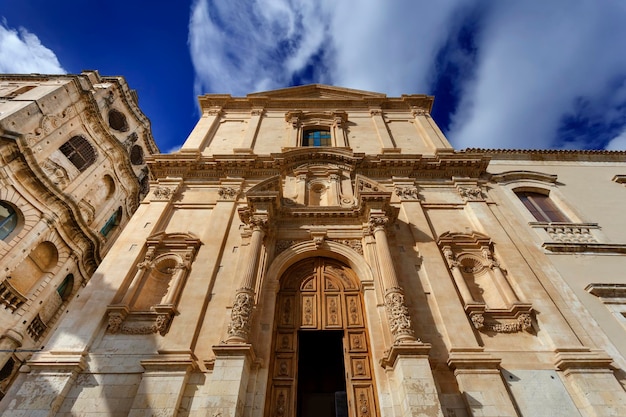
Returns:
point(72, 172)
point(319, 250)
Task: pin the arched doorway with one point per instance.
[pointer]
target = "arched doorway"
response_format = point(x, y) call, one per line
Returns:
point(320, 363)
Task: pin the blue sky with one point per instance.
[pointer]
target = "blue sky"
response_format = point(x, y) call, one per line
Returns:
point(528, 74)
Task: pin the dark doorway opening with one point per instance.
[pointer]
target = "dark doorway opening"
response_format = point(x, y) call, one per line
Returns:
point(321, 375)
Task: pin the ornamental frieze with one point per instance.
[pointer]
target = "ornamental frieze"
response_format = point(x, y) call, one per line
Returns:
point(117, 324)
point(163, 193)
point(521, 323)
point(407, 193)
point(228, 193)
point(471, 193)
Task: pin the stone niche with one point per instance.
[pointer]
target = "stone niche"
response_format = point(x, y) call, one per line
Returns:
point(148, 302)
point(482, 284)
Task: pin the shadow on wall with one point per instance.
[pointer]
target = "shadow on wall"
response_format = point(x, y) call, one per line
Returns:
point(112, 373)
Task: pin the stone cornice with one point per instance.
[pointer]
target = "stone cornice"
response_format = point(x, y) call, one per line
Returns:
point(195, 165)
point(316, 96)
point(550, 155)
point(125, 94)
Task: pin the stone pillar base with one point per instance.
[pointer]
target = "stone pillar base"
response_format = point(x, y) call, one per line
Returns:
point(163, 384)
point(480, 381)
point(229, 380)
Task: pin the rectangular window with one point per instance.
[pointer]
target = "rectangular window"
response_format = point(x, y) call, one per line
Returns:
point(317, 137)
point(541, 207)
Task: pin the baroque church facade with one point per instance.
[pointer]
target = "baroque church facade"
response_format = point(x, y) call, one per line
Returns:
point(72, 172)
point(318, 250)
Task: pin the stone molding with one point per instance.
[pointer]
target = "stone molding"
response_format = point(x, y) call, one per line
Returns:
point(582, 248)
point(568, 359)
point(410, 349)
point(216, 167)
point(603, 290)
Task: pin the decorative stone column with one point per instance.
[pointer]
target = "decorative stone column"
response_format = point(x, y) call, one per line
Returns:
point(397, 312)
point(239, 327)
point(453, 264)
point(499, 278)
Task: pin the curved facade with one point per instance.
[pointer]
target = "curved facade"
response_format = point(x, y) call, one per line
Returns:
point(68, 187)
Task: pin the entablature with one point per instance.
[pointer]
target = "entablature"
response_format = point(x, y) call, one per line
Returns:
point(196, 165)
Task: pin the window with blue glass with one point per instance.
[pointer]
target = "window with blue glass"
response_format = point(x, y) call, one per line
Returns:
point(8, 220)
point(316, 137)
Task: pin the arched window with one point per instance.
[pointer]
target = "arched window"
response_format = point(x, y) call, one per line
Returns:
point(541, 206)
point(8, 220)
point(316, 137)
point(117, 121)
point(80, 152)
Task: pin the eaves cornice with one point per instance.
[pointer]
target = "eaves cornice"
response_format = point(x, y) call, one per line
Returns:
point(551, 154)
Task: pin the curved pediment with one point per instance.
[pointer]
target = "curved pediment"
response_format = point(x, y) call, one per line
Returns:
point(291, 158)
point(166, 238)
point(521, 175)
point(473, 239)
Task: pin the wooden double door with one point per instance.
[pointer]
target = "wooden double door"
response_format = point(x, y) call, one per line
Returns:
point(321, 362)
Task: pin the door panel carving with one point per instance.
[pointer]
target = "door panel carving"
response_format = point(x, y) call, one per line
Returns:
point(320, 294)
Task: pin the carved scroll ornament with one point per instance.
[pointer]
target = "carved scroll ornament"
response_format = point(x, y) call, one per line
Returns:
point(398, 314)
point(239, 326)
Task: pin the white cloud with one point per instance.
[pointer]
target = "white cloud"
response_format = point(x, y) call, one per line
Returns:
point(618, 143)
point(22, 52)
point(240, 48)
point(534, 59)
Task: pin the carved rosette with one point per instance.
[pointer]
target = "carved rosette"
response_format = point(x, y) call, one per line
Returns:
point(162, 193)
point(398, 315)
point(407, 193)
point(522, 322)
point(239, 326)
point(228, 193)
point(471, 193)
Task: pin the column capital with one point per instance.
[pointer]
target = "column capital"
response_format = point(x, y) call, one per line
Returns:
point(255, 220)
point(377, 222)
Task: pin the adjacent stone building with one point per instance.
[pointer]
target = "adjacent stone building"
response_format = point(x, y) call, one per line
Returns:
point(72, 172)
point(324, 251)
